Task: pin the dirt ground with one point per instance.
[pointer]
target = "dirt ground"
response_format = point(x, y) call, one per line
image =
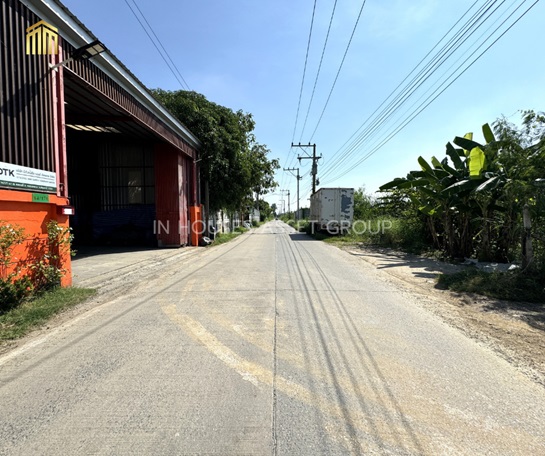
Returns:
point(516, 331)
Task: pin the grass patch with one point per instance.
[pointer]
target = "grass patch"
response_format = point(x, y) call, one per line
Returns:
point(509, 286)
point(20, 320)
point(407, 235)
point(222, 238)
point(345, 240)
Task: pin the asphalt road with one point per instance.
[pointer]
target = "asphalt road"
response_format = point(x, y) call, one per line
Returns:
point(271, 344)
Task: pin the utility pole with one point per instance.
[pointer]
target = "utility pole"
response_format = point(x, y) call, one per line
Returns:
point(298, 179)
point(289, 206)
point(314, 159)
point(284, 201)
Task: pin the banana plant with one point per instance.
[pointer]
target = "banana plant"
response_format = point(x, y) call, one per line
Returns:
point(425, 188)
point(445, 191)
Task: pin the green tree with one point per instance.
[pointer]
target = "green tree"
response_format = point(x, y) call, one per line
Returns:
point(266, 210)
point(233, 163)
point(522, 154)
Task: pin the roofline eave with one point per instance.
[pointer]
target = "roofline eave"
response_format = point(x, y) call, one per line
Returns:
point(78, 35)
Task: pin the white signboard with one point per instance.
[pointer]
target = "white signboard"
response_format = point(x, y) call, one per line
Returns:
point(29, 179)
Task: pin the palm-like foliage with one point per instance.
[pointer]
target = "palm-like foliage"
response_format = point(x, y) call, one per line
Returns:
point(457, 193)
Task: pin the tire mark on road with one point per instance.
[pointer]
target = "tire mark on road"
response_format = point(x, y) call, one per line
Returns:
point(259, 375)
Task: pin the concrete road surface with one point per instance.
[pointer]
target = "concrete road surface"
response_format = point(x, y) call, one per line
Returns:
point(271, 344)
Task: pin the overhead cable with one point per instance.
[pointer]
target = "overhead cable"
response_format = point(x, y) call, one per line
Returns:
point(454, 43)
point(338, 71)
point(319, 68)
point(170, 63)
point(445, 85)
point(288, 161)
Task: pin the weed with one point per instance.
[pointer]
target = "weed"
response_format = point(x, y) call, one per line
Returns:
point(510, 286)
point(33, 312)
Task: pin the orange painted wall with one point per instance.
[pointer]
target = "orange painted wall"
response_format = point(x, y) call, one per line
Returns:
point(197, 225)
point(17, 207)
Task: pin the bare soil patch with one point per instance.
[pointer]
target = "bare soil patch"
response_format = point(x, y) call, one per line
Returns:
point(515, 330)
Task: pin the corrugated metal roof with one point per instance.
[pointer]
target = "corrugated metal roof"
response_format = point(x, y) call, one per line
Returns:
point(77, 34)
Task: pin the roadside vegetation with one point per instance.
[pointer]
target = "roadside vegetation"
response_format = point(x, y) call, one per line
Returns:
point(235, 168)
point(43, 269)
point(222, 238)
point(35, 311)
point(480, 200)
point(511, 286)
point(30, 294)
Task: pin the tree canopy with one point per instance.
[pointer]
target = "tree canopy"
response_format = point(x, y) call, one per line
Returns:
point(233, 163)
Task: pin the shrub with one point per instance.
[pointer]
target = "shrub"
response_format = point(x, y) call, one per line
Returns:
point(45, 270)
point(10, 236)
point(405, 233)
point(13, 292)
point(48, 270)
point(511, 285)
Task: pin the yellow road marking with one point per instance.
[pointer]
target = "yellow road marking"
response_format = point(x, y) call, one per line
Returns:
point(257, 374)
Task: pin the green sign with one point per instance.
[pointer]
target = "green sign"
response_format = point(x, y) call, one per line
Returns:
point(40, 198)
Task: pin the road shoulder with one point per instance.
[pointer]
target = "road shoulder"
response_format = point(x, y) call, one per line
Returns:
point(498, 325)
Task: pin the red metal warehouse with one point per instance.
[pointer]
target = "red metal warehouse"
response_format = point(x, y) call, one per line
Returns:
point(85, 143)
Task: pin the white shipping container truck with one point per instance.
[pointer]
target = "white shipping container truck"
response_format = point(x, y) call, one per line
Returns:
point(332, 209)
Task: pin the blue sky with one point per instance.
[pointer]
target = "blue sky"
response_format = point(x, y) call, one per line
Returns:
point(250, 55)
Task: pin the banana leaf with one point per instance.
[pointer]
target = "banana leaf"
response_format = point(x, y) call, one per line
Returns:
point(418, 174)
point(460, 186)
point(477, 161)
point(488, 134)
point(425, 165)
point(455, 155)
point(440, 174)
point(392, 184)
point(431, 194)
point(415, 183)
point(466, 144)
point(428, 209)
point(449, 169)
point(436, 163)
point(489, 184)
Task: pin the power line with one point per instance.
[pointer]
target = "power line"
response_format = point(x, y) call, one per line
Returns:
point(405, 79)
point(337, 75)
point(304, 70)
point(288, 162)
point(339, 70)
point(438, 92)
point(473, 24)
point(161, 44)
point(425, 73)
point(319, 68)
point(172, 66)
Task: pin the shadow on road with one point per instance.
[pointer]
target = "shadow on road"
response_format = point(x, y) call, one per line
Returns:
point(301, 237)
point(418, 266)
point(421, 270)
point(90, 251)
